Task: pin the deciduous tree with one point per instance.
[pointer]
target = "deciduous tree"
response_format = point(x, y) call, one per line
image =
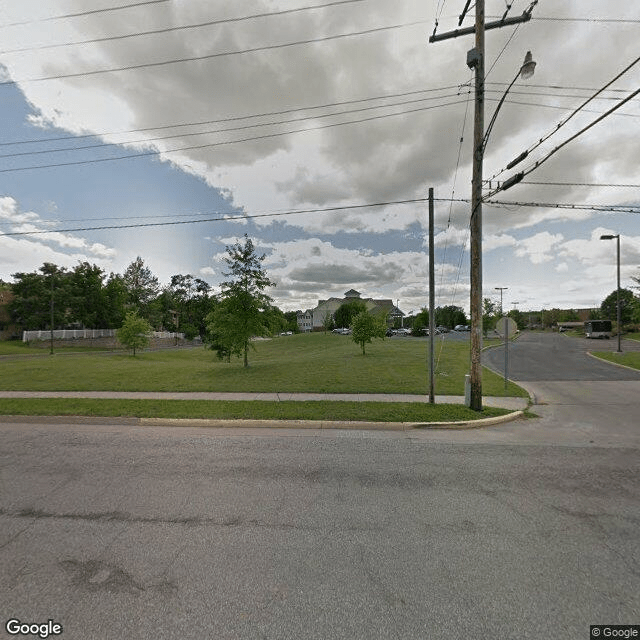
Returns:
point(243, 308)
point(135, 332)
point(366, 326)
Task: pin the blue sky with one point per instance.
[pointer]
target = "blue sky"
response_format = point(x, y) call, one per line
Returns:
point(288, 156)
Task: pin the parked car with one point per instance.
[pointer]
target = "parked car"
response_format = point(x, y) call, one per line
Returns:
point(443, 329)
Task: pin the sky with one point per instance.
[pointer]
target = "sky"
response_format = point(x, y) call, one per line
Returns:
point(168, 129)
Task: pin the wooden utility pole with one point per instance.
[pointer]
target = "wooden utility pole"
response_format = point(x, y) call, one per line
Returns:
point(475, 60)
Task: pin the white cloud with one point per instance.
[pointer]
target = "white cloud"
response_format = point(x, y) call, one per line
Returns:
point(539, 247)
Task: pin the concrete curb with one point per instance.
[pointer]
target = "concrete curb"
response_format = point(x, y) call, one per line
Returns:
point(264, 424)
point(615, 364)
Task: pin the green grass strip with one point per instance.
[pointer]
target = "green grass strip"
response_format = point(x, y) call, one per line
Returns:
point(247, 410)
point(629, 359)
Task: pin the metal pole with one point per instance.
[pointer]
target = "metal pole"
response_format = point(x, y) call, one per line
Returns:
point(475, 398)
point(506, 352)
point(432, 299)
point(51, 309)
point(618, 300)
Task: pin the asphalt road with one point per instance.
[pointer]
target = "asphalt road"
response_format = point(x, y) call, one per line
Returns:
point(577, 397)
point(538, 356)
point(114, 531)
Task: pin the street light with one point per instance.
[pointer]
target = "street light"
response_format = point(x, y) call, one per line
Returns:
point(501, 289)
point(475, 60)
point(617, 238)
point(525, 72)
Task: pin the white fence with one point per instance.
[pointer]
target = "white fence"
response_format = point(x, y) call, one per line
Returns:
point(86, 334)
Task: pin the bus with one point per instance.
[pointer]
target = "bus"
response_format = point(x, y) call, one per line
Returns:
point(597, 329)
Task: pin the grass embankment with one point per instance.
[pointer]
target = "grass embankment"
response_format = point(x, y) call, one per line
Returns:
point(312, 363)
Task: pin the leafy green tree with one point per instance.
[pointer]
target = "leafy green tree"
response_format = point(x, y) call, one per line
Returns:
point(243, 309)
point(292, 321)
point(115, 296)
point(328, 322)
point(489, 315)
point(366, 326)
point(276, 321)
point(569, 315)
point(87, 298)
point(189, 301)
point(627, 304)
point(450, 316)
point(34, 295)
point(141, 285)
point(420, 322)
point(347, 311)
point(518, 317)
point(135, 332)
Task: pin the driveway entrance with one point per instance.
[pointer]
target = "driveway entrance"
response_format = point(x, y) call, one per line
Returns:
point(576, 395)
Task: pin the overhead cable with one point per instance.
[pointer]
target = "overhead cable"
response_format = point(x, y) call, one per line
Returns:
point(564, 121)
point(198, 25)
point(228, 142)
point(212, 56)
point(520, 175)
point(85, 13)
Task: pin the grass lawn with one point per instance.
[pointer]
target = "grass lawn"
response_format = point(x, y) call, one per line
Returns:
point(315, 362)
point(257, 410)
point(629, 358)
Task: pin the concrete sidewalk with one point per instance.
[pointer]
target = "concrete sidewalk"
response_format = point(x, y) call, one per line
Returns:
point(514, 404)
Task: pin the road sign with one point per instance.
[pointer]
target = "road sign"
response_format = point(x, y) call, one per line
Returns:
point(506, 326)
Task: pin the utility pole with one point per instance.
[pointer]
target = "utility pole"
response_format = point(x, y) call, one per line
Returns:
point(432, 300)
point(475, 60)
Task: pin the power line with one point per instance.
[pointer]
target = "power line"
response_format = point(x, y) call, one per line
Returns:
point(563, 122)
point(602, 20)
point(582, 184)
point(101, 145)
point(227, 142)
point(212, 56)
point(225, 217)
point(309, 108)
point(84, 13)
point(266, 114)
point(613, 208)
point(198, 25)
point(229, 129)
point(553, 151)
point(219, 218)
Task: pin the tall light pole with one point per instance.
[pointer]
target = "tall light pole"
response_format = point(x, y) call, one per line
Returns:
point(501, 289)
point(618, 314)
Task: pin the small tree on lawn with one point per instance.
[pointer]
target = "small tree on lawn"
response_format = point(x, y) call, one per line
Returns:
point(244, 309)
point(366, 326)
point(135, 332)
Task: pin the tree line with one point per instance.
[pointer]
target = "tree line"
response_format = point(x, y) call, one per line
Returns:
point(87, 297)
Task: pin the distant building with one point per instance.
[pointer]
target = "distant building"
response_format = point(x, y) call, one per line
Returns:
point(314, 319)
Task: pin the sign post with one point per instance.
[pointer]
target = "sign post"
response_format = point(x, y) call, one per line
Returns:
point(506, 326)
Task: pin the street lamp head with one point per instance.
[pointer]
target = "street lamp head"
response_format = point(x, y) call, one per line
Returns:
point(528, 66)
point(608, 237)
